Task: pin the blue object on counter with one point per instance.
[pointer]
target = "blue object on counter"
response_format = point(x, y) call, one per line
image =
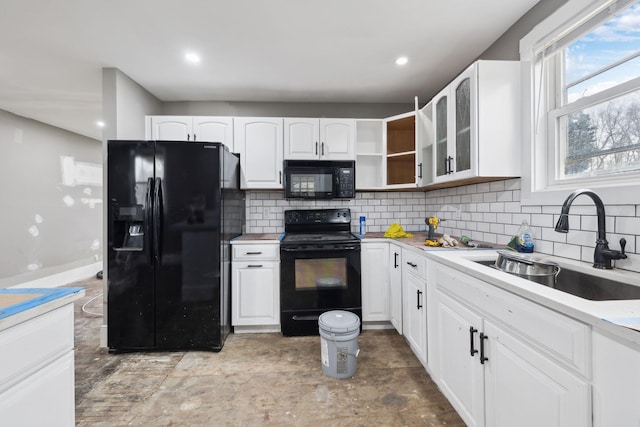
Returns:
point(363, 225)
point(44, 295)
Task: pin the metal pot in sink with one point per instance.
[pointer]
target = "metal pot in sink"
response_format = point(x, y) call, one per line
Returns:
point(528, 267)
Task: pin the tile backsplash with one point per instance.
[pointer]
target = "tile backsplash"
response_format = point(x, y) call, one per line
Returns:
point(265, 210)
point(489, 212)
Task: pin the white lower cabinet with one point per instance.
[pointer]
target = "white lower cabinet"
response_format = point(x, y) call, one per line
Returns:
point(525, 388)
point(414, 312)
point(616, 382)
point(453, 326)
point(375, 283)
point(503, 361)
point(255, 287)
point(37, 371)
point(395, 286)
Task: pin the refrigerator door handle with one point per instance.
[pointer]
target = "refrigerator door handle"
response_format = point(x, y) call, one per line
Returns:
point(148, 219)
point(157, 219)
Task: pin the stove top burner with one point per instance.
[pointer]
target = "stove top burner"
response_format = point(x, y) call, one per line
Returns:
point(310, 238)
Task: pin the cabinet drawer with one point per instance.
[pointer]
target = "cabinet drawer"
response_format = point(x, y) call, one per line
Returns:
point(256, 251)
point(564, 338)
point(30, 345)
point(415, 263)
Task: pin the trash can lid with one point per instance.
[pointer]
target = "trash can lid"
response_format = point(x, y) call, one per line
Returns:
point(338, 321)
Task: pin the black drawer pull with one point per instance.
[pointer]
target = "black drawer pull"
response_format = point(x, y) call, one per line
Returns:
point(254, 253)
point(418, 294)
point(472, 349)
point(482, 338)
point(254, 266)
point(412, 264)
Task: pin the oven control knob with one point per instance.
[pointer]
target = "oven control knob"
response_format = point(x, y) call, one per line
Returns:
point(292, 217)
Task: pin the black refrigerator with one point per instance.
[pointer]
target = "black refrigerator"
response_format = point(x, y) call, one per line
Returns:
point(173, 206)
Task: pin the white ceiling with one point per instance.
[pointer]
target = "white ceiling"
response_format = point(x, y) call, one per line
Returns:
point(52, 52)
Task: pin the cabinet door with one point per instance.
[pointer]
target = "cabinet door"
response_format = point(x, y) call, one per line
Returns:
point(524, 388)
point(259, 143)
point(50, 390)
point(459, 372)
point(171, 128)
point(414, 324)
point(375, 283)
point(395, 286)
point(214, 129)
point(337, 139)
point(464, 117)
point(615, 387)
point(441, 157)
point(301, 139)
point(400, 133)
point(255, 293)
point(425, 138)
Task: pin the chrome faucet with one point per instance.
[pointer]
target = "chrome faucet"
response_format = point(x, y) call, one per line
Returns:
point(602, 255)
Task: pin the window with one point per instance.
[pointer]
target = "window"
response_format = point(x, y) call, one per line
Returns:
point(586, 96)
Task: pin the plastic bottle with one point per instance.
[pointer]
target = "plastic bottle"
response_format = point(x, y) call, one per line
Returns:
point(524, 238)
point(363, 225)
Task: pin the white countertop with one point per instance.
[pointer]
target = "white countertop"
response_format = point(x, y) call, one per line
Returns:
point(620, 317)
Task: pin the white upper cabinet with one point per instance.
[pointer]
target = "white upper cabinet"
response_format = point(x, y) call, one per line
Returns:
point(425, 138)
point(370, 154)
point(188, 128)
point(258, 140)
point(476, 122)
point(400, 142)
point(324, 139)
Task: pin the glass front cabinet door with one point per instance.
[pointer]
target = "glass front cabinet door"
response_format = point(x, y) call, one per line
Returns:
point(441, 119)
point(455, 129)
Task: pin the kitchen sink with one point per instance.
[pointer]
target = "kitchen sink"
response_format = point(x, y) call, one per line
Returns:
point(588, 286)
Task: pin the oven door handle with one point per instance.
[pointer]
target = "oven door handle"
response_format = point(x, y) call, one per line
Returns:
point(320, 249)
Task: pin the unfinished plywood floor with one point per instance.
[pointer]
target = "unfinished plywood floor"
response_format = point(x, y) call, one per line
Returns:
point(256, 380)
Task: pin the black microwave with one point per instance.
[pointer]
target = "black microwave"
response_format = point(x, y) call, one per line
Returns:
point(319, 179)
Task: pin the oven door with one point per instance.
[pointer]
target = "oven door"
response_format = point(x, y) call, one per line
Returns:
point(315, 279)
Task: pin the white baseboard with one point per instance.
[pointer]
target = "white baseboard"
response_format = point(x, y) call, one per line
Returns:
point(103, 336)
point(377, 325)
point(256, 329)
point(64, 278)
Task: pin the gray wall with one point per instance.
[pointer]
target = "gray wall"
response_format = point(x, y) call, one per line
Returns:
point(124, 105)
point(50, 199)
point(507, 47)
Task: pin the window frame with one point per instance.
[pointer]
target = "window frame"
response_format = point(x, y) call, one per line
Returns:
point(540, 109)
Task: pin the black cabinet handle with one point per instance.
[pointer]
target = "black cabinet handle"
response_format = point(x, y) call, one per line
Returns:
point(195, 136)
point(280, 177)
point(412, 264)
point(420, 170)
point(418, 294)
point(395, 260)
point(316, 147)
point(253, 253)
point(472, 349)
point(255, 266)
point(482, 338)
point(188, 137)
point(449, 168)
point(323, 148)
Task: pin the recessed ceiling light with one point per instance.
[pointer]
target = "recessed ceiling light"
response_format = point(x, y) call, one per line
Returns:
point(192, 58)
point(402, 60)
point(100, 123)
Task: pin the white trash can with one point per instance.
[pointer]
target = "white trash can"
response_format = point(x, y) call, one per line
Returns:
point(339, 332)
